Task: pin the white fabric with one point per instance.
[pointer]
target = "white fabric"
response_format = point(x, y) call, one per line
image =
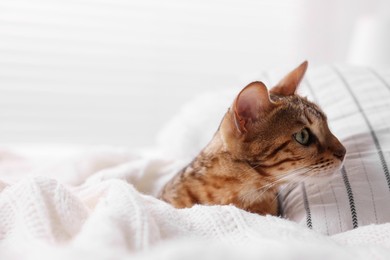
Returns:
point(108, 218)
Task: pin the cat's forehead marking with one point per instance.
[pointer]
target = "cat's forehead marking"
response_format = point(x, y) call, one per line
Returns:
point(312, 110)
point(317, 118)
point(318, 129)
point(312, 116)
point(309, 111)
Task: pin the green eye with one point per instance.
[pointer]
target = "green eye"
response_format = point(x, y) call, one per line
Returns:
point(303, 136)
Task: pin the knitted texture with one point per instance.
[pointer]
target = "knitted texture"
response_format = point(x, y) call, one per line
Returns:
point(107, 217)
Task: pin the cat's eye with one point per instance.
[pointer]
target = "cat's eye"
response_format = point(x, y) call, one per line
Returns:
point(303, 136)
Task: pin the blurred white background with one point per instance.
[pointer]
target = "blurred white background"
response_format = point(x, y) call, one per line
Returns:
point(114, 71)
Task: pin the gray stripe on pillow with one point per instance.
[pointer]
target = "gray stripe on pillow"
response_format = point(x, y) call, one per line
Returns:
point(307, 206)
point(371, 191)
point(280, 199)
point(337, 206)
point(380, 78)
point(324, 210)
point(350, 198)
point(373, 134)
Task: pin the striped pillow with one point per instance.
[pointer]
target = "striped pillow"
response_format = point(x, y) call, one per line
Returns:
point(357, 102)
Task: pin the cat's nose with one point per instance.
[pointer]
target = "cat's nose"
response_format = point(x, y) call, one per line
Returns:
point(339, 153)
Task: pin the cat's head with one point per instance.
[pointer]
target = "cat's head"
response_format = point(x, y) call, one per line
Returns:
point(279, 133)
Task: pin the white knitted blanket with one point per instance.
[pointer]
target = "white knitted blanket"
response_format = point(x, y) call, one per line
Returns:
point(98, 204)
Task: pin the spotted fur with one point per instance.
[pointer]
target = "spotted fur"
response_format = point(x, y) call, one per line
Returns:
point(255, 150)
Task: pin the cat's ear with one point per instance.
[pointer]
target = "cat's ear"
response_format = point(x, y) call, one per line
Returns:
point(251, 103)
point(289, 84)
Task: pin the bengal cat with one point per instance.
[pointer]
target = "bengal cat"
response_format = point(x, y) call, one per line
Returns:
point(266, 139)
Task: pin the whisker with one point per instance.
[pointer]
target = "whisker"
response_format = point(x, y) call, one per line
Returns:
point(280, 178)
point(289, 176)
point(288, 186)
